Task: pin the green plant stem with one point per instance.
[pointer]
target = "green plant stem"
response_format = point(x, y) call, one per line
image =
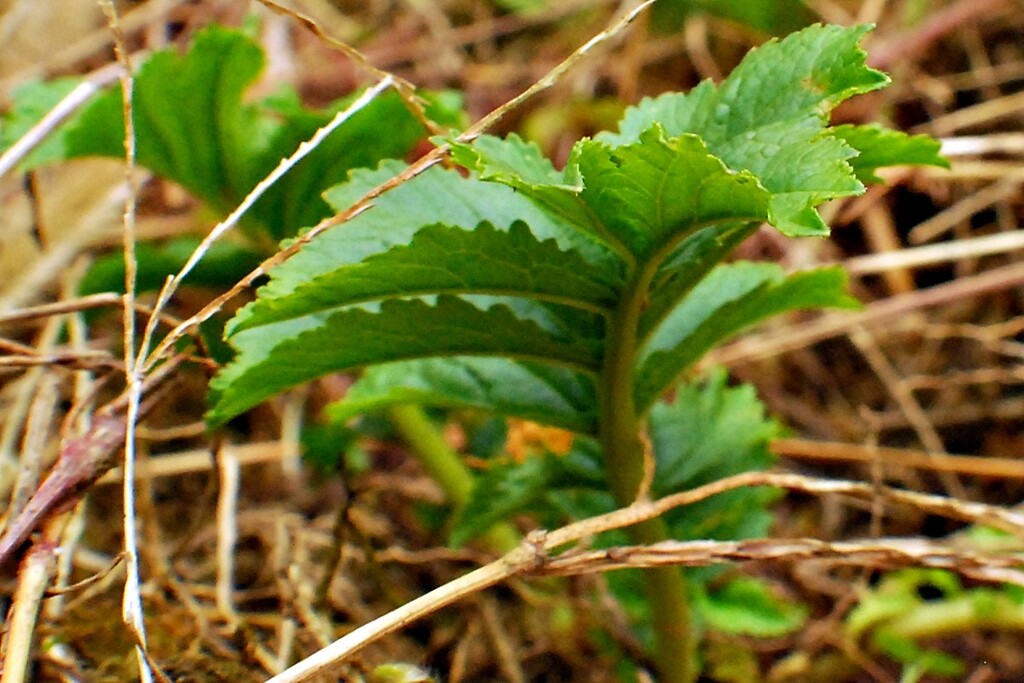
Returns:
point(446, 467)
point(667, 596)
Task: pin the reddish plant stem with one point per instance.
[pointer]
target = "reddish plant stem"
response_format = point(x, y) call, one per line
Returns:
point(82, 461)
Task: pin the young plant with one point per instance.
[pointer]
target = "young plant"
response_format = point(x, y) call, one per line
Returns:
point(222, 144)
point(573, 298)
point(577, 297)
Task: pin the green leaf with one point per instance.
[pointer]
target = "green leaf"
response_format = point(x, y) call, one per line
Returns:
point(709, 432)
point(444, 259)
point(509, 160)
point(435, 196)
point(731, 298)
point(206, 146)
point(295, 300)
point(502, 491)
point(768, 117)
point(211, 331)
point(896, 595)
point(917, 658)
point(801, 167)
point(636, 198)
point(324, 446)
point(520, 165)
point(912, 606)
point(400, 673)
point(30, 103)
point(522, 6)
point(808, 72)
point(651, 193)
point(557, 488)
point(879, 147)
point(531, 391)
point(746, 606)
point(219, 146)
point(818, 67)
point(274, 357)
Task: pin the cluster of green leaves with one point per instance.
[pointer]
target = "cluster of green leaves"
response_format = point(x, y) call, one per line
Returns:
point(912, 606)
point(220, 145)
point(708, 431)
point(513, 289)
point(498, 290)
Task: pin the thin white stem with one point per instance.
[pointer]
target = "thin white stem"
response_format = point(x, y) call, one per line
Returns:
point(131, 606)
point(83, 392)
point(227, 533)
point(53, 118)
point(291, 433)
point(287, 631)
